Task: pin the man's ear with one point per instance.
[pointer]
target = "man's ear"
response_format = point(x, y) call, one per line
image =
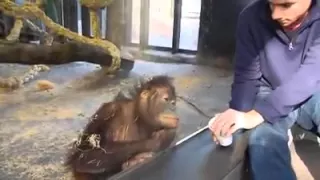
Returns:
point(144, 94)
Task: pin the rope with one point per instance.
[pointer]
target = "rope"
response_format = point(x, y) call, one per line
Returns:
point(95, 4)
point(94, 23)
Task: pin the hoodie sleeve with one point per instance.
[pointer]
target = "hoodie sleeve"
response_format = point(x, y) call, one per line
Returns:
point(302, 85)
point(246, 68)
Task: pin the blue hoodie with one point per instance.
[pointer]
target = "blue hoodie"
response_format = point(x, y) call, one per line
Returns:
point(267, 56)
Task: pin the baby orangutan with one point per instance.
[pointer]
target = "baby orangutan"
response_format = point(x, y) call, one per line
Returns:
point(126, 131)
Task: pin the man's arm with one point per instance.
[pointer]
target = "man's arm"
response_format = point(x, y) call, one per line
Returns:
point(247, 67)
point(302, 85)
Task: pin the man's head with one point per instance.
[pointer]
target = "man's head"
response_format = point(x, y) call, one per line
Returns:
point(286, 12)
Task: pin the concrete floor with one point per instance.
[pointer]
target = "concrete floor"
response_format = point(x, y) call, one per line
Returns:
point(38, 126)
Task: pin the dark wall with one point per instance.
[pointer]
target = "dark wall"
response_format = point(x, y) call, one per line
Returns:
point(70, 15)
point(217, 30)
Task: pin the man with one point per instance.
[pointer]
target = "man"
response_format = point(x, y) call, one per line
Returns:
point(276, 81)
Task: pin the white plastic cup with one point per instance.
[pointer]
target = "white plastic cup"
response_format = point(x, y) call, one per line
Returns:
point(223, 141)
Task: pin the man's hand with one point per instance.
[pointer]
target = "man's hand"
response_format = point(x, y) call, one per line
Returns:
point(225, 123)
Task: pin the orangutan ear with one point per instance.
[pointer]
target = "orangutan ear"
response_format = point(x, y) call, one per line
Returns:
point(144, 94)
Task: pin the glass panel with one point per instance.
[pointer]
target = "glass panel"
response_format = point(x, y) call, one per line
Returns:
point(161, 23)
point(190, 19)
point(103, 24)
point(135, 31)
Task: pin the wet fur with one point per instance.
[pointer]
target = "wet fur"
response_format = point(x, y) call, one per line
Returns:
point(118, 123)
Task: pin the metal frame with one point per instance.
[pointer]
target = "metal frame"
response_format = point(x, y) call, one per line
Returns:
point(176, 25)
point(128, 20)
point(144, 28)
point(144, 23)
point(161, 48)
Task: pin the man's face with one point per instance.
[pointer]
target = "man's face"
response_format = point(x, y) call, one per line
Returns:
point(285, 12)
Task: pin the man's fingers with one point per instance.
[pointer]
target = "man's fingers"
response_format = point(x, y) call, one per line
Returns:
point(215, 139)
point(218, 122)
point(227, 126)
point(214, 119)
point(233, 129)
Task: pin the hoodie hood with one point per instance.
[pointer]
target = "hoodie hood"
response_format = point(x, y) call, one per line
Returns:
point(312, 16)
